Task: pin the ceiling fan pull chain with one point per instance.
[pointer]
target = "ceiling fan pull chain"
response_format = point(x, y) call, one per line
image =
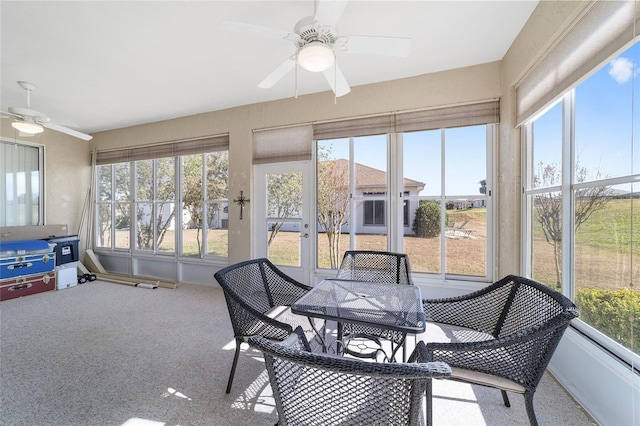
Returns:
point(335, 83)
point(296, 88)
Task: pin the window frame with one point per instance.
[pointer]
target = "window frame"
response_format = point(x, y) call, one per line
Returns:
point(374, 206)
point(567, 188)
point(397, 206)
point(134, 201)
point(41, 184)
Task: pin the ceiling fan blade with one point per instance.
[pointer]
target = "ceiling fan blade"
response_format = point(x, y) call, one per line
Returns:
point(336, 80)
point(373, 45)
point(328, 12)
point(66, 130)
point(5, 114)
point(65, 123)
point(278, 73)
point(257, 30)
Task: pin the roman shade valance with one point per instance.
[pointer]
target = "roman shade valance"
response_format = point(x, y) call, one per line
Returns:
point(599, 32)
point(453, 116)
point(163, 150)
point(362, 126)
point(282, 144)
point(483, 112)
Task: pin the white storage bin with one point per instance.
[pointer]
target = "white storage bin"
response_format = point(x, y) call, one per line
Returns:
point(67, 275)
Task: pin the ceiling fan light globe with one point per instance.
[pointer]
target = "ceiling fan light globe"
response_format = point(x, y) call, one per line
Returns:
point(26, 127)
point(316, 57)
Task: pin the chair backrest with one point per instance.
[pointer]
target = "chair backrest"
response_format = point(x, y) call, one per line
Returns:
point(252, 288)
point(320, 389)
point(540, 313)
point(526, 318)
point(531, 304)
point(510, 305)
point(375, 266)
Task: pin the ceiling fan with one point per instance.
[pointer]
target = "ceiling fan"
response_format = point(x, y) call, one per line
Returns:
point(316, 40)
point(30, 122)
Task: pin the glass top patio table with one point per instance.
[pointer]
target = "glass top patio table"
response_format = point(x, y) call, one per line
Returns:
point(387, 306)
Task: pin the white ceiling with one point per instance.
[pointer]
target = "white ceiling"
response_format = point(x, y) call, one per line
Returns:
point(107, 65)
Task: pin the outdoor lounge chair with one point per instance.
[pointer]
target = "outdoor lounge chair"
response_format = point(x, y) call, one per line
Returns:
point(373, 266)
point(258, 296)
point(502, 336)
point(319, 389)
point(459, 231)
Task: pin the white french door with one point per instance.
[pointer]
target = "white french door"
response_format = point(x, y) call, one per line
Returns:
point(284, 232)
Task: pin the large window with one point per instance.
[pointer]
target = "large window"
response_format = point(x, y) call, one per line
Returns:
point(179, 205)
point(423, 193)
point(452, 163)
point(21, 184)
point(582, 199)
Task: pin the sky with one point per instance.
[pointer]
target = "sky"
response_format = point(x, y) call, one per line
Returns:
point(607, 144)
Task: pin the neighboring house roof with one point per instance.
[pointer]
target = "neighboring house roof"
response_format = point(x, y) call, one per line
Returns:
point(368, 178)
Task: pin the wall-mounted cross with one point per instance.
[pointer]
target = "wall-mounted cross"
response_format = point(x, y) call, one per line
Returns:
point(241, 201)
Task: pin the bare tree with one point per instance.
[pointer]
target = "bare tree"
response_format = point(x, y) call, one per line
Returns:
point(333, 203)
point(548, 206)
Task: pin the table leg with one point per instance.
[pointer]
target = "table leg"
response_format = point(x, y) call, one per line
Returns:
point(321, 336)
point(401, 344)
point(339, 344)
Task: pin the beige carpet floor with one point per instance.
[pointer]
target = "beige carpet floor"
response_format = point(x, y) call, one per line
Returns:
point(111, 354)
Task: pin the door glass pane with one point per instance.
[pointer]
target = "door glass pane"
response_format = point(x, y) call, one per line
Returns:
point(284, 216)
point(465, 170)
point(422, 186)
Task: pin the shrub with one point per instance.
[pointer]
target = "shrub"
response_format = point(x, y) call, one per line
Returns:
point(615, 313)
point(427, 221)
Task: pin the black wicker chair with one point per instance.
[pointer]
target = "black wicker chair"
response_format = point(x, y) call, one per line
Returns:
point(502, 336)
point(373, 266)
point(258, 296)
point(320, 389)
